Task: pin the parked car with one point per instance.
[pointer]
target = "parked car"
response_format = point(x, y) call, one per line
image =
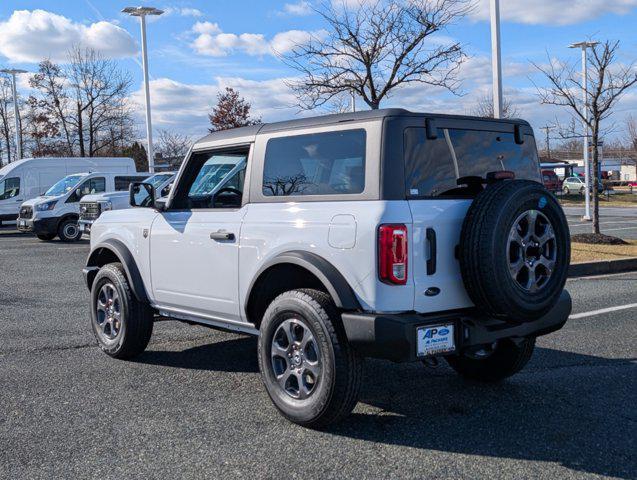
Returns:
point(551, 181)
point(56, 212)
point(92, 206)
point(573, 185)
point(28, 178)
point(385, 234)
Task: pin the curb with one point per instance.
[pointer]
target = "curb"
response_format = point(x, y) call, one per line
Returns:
point(604, 267)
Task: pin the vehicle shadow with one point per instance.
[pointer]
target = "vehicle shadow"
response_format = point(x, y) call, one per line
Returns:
point(581, 418)
point(566, 408)
point(236, 355)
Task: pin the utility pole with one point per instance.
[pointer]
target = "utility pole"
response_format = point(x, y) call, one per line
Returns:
point(547, 129)
point(496, 58)
point(141, 12)
point(584, 46)
point(16, 111)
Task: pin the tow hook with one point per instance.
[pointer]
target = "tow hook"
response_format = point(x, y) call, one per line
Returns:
point(430, 362)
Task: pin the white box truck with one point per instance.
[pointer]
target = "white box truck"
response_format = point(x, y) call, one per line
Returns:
point(28, 178)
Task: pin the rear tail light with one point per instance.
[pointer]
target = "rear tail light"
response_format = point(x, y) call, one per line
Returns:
point(392, 254)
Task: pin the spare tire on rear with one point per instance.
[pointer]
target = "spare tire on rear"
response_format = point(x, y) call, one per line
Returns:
point(515, 251)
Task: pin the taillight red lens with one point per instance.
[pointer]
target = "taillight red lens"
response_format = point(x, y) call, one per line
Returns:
point(392, 254)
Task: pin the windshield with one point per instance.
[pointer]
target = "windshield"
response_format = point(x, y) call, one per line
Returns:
point(9, 187)
point(63, 186)
point(157, 180)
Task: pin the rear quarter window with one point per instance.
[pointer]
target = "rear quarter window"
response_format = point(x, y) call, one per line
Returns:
point(331, 163)
point(432, 167)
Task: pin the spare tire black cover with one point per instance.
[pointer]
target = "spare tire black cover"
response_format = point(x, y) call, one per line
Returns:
point(515, 251)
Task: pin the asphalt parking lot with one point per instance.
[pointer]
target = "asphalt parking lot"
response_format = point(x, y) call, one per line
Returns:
point(616, 221)
point(193, 405)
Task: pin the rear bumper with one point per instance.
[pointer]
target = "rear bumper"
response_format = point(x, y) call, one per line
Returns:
point(43, 226)
point(393, 336)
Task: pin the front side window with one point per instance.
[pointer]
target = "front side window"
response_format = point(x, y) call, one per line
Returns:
point(212, 180)
point(64, 186)
point(433, 166)
point(89, 187)
point(331, 163)
point(9, 187)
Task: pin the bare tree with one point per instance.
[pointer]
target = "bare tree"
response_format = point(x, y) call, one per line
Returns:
point(172, 144)
point(85, 103)
point(231, 111)
point(376, 46)
point(484, 108)
point(607, 82)
point(631, 130)
point(6, 119)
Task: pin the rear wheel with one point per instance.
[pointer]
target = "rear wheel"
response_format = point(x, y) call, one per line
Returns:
point(122, 325)
point(46, 237)
point(310, 371)
point(493, 363)
point(69, 230)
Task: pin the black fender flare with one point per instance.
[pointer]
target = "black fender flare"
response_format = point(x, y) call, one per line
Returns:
point(121, 251)
point(334, 282)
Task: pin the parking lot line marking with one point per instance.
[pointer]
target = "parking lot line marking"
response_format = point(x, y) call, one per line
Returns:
point(601, 311)
point(629, 222)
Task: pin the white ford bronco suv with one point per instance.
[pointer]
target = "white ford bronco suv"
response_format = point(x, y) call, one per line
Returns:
point(384, 234)
point(92, 206)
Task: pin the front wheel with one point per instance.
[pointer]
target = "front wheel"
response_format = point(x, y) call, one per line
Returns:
point(493, 363)
point(566, 191)
point(69, 231)
point(122, 325)
point(310, 371)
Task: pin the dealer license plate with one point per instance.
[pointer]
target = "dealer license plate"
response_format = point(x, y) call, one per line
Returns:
point(435, 339)
point(22, 223)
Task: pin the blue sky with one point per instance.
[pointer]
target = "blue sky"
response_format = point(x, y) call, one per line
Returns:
point(199, 47)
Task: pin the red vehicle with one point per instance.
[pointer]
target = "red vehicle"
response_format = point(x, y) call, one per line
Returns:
point(551, 181)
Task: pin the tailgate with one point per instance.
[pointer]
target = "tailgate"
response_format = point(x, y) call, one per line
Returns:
point(436, 230)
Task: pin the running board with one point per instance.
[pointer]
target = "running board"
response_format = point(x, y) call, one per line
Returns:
point(227, 325)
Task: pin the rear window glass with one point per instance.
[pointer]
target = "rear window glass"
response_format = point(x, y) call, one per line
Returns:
point(331, 163)
point(432, 167)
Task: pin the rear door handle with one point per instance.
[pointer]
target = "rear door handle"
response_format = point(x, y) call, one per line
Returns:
point(431, 241)
point(221, 235)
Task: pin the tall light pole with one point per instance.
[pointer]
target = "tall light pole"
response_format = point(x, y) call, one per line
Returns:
point(584, 46)
point(141, 12)
point(496, 58)
point(16, 113)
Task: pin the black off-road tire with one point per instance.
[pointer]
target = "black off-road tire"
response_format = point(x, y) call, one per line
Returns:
point(336, 391)
point(69, 230)
point(507, 359)
point(483, 254)
point(136, 317)
point(46, 237)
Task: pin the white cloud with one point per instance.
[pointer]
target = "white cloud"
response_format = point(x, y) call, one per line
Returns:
point(555, 12)
point(298, 9)
point(30, 36)
point(212, 41)
point(183, 11)
point(184, 107)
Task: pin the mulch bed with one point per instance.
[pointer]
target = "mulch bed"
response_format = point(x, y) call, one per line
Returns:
point(597, 239)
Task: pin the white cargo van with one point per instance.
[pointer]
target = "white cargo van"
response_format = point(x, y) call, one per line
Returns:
point(26, 179)
point(56, 212)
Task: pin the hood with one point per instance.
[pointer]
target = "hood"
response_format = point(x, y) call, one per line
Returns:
point(104, 197)
point(37, 200)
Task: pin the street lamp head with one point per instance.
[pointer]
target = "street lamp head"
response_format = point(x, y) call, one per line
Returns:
point(583, 45)
point(12, 71)
point(142, 11)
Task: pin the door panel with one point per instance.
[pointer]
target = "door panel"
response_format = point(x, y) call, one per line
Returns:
point(194, 268)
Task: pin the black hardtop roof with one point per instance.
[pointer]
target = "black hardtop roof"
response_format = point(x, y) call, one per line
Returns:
point(333, 119)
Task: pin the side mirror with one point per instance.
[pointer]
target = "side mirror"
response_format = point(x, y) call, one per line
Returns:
point(78, 193)
point(141, 194)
